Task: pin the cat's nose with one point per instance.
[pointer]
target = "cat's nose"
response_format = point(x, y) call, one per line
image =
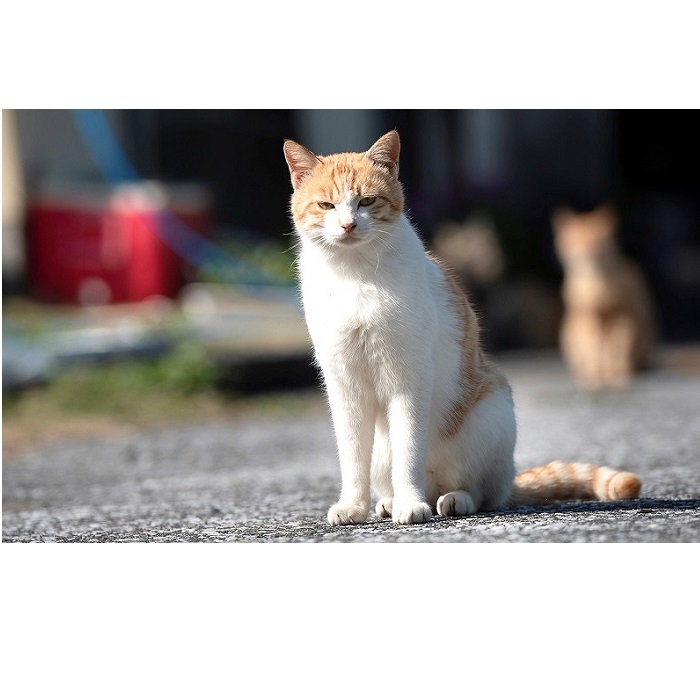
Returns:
point(348, 226)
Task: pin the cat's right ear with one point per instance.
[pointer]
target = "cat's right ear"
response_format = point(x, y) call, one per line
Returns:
point(301, 161)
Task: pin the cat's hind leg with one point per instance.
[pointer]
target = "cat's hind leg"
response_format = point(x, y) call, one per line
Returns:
point(475, 472)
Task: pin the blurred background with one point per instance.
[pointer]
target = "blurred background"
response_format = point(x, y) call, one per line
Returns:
point(148, 255)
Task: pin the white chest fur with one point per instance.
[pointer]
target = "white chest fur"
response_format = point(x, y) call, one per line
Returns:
point(372, 321)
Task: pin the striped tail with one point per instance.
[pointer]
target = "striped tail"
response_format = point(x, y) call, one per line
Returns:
point(558, 481)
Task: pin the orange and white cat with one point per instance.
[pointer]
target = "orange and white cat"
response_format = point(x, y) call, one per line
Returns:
point(421, 416)
point(607, 331)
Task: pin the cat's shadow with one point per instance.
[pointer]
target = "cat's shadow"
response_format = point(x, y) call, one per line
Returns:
point(641, 505)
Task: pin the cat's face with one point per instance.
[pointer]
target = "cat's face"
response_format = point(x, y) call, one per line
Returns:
point(585, 237)
point(347, 200)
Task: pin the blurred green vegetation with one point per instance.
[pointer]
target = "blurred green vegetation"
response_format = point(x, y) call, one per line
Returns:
point(183, 384)
point(184, 371)
point(267, 262)
point(126, 388)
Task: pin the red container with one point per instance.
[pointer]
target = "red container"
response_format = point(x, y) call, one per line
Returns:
point(97, 246)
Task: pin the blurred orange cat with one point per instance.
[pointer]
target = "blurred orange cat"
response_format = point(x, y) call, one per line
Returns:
point(607, 331)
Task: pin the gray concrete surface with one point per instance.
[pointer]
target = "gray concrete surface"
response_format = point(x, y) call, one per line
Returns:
point(272, 481)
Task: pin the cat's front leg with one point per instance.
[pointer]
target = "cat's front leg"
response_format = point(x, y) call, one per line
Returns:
point(409, 418)
point(353, 419)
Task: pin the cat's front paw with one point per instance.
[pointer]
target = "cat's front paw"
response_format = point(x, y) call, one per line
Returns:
point(410, 512)
point(352, 514)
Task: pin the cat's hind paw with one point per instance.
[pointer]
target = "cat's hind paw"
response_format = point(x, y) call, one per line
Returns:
point(456, 503)
point(411, 512)
point(384, 507)
point(352, 514)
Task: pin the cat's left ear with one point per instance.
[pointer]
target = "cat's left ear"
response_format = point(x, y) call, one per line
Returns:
point(560, 217)
point(301, 161)
point(385, 151)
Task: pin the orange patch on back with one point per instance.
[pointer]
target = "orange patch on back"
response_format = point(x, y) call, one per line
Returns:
point(478, 377)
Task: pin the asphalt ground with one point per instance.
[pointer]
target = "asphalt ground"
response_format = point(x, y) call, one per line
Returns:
point(273, 480)
point(180, 621)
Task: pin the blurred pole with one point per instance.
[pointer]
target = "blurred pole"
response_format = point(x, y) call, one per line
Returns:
point(436, 177)
point(13, 198)
point(105, 150)
point(485, 155)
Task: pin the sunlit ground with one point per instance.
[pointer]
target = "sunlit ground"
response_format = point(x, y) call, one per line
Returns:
point(190, 379)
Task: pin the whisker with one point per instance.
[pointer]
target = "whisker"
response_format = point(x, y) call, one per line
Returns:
point(292, 247)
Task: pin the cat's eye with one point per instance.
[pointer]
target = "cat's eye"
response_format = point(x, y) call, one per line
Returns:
point(326, 205)
point(366, 201)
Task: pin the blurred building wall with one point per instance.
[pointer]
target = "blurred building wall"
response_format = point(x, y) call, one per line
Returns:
point(515, 165)
point(52, 150)
point(327, 131)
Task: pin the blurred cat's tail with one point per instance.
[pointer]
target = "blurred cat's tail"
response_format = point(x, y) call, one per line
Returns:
point(559, 481)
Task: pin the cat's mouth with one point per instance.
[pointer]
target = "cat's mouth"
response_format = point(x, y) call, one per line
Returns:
point(349, 239)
